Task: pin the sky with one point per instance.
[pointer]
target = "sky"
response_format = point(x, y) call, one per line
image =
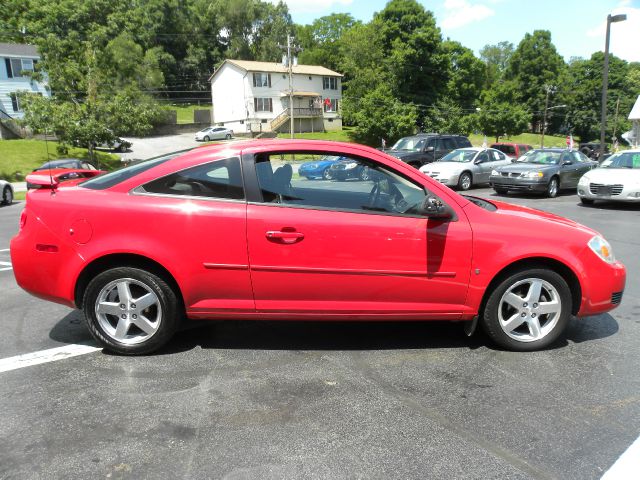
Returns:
point(577, 26)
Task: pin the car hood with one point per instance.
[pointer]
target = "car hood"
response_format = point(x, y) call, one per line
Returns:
point(446, 167)
point(614, 175)
point(511, 210)
point(525, 167)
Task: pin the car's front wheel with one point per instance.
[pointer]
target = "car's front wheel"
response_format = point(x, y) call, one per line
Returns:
point(500, 190)
point(206, 138)
point(130, 311)
point(586, 201)
point(552, 188)
point(326, 174)
point(7, 196)
point(464, 182)
point(528, 310)
point(228, 136)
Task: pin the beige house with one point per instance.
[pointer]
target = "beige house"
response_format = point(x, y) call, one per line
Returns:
point(251, 97)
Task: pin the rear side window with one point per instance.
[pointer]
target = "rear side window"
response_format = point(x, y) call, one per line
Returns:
point(102, 182)
point(220, 179)
point(463, 142)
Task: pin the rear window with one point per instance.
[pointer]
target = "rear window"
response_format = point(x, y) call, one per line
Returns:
point(508, 149)
point(108, 180)
point(463, 142)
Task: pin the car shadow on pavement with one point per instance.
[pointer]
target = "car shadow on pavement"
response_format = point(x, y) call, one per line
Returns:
point(617, 206)
point(318, 335)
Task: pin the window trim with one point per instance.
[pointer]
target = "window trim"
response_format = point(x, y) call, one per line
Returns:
point(255, 77)
point(255, 104)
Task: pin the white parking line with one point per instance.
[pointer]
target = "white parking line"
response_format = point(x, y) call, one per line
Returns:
point(5, 266)
point(4, 249)
point(627, 466)
point(45, 356)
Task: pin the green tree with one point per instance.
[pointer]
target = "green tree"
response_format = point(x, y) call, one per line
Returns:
point(496, 58)
point(446, 116)
point(380, 116)
point(322, 39)
point(466, 75)
point(535, 64)
point(498, 115)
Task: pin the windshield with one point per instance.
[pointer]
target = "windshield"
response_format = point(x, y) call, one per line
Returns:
point(410, 144)
point(623, 160)
point(541, 157)
point(459, 156)
point(108, 180)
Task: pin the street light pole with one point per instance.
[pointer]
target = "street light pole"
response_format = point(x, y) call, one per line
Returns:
point(549, 89)
point(605, 79)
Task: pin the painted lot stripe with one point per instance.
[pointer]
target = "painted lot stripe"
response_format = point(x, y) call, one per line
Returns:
point(5, 266)
point(45, 356)
point(4, 249)
point(627, 466)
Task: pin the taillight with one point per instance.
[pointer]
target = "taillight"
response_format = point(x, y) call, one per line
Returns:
point(23, 219)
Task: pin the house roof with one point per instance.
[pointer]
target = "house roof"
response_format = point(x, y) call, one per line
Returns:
point(635, 111)
point(274, 67)
point(18, 50)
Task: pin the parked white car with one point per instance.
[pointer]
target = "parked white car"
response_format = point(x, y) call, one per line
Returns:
point(617, 179)
point(214, 133)
point(465, 167)
point(6, 193)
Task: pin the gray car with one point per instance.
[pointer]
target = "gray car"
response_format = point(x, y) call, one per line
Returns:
point(6, 193)
point(545, 171)
point(465, 167)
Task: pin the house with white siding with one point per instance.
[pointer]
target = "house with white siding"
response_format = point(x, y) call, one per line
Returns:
point(16, 62)
point(251, 97)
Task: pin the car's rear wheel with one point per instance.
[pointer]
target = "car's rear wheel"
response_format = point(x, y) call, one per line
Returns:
point(228, 136)
point(528, 310)
point(130, 311)
point(552, 187)
point(586, 201)
point(206, 138)
point(464, 182)
point(7, 196)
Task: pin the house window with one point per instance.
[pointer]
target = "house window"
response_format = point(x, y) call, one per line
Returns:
point(15, 102)
point(262, 80)
point(329, 83)
point(17, 66)
point(330, 105)
point(263, 104)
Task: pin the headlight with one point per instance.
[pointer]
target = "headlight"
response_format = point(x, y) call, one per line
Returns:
point(602, 248)
point(495, 173)
point(351, 165)
point(533, 175)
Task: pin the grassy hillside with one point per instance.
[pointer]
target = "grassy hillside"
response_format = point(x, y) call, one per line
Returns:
point(20, 157)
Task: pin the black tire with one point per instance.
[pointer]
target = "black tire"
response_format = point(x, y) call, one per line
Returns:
point(7, 196)
point(553, 187)
point(586, 201)
point(206, 138)
point(326, 174)
point(167, 311)
point(228, 136)
point(554, 323)
point(465, 181)
point(122, 148)
point(500, 190)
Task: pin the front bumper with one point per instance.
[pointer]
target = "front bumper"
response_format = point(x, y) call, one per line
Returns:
point(448, 180)
point(609, 192)
point(602, 284)
point(519, 183)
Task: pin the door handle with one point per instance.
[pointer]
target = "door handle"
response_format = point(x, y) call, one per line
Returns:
point(287, 237)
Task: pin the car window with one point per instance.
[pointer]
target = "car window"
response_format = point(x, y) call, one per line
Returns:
point(497, 155)
point(219, 179)
point(462, 142)
point(355, 185)
point(482, 157)
point(566, 157)
point(446, 144)
point(576, 157)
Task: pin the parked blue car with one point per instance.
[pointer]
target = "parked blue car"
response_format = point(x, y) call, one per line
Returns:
point(318, 168)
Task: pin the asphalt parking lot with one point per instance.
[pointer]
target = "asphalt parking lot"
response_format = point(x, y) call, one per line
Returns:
point(275, 400)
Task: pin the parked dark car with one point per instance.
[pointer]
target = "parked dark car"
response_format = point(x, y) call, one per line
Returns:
point(75, 163)
point(592, 150)
point(426, 147)
point(545, 171)
point(513, 150)
point(117, 145)
point(348, 168)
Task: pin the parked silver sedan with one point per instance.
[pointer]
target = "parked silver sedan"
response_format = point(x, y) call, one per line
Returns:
point(214, 133)
point(465, 167)
point(6, 193)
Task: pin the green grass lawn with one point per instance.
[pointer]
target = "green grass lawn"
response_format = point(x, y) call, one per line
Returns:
point(20, 157)
point(532, 139)
point(185, 111)
point(343, 135)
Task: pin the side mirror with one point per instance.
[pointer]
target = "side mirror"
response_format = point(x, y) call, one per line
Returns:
point(567, 162)
point(429, 149)
point(433, 207)
point(477, 161)
point(514, 160)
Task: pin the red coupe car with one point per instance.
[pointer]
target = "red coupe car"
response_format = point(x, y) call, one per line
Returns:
point(232, 231)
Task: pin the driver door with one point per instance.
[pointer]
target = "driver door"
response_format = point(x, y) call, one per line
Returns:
point(356, 247)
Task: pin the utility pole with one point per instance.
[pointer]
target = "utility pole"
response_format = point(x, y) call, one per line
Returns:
point(289, 47)
point(549, 89)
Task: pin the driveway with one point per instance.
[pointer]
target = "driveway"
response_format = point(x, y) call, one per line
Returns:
point(148, 147)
